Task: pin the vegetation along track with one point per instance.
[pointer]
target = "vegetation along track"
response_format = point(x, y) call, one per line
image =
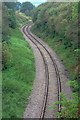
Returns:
point(36, 42)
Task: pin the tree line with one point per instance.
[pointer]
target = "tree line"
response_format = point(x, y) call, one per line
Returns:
point(58, 19)
point(59, 25)
point(9, 22)
point(9, 17)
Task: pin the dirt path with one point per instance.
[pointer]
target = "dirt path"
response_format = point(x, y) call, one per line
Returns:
point(35, 108)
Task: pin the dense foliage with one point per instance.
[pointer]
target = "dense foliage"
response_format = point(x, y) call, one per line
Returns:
point(9, 16)
point(22, 19)
point(5, 23)
point(58, 19)
point(17, 61)
point(57, 24)
point(8, 22)
point(26, 8)
point(11, 5)
point(18, 6)
point(69, 107)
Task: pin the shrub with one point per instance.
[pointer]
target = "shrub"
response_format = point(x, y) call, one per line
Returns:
point(5, 55)
point(69, 107)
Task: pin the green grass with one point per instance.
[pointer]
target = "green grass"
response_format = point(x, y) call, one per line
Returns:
point(18, 77)
point(0, 81)
point(0, 94)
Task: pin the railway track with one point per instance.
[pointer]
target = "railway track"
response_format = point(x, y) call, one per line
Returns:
point(38, 44)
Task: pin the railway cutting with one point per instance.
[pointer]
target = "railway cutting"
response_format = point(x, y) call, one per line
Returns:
point(50, 79)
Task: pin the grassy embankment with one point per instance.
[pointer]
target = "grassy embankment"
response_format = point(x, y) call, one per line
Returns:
point(19, 75)
point(57, 25)
point(0, 81)
point(68, 58)
point(66, 55)
point(22, 19)
point(70, 61)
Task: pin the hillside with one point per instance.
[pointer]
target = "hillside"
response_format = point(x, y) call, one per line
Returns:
point(57, 24)
point(22, 19)
point(18, 65)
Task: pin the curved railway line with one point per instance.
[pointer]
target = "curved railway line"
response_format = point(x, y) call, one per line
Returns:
point(37, 43)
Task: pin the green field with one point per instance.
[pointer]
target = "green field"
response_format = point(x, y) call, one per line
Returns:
point(18, 76)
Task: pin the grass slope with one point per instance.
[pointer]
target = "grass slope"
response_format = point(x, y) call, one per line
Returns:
point(0, 94)
point(22, 19)
point(18, 77)
point(68, 56)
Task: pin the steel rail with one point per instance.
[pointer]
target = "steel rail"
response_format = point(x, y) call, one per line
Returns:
point(56, 69)
point(29, 35)
point(47, 77)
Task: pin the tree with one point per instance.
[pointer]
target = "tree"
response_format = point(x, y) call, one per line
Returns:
point(11, 5)
point(26, 8)
point(58, 18)
point(5, 23)
point(18, 5)
point(12, 19)
point(8, 21)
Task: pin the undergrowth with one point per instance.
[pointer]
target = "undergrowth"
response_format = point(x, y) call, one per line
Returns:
point(17, 77)
point(69, 57)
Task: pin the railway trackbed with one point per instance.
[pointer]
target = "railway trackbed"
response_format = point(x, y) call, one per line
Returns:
point(49, 80)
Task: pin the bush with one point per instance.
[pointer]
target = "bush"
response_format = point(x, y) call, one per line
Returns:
point(26, 8)
point(5, 55)
point(5, 24)
point(12, 19)
point(74, 84)
point(69, 107)
point(60, 18)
